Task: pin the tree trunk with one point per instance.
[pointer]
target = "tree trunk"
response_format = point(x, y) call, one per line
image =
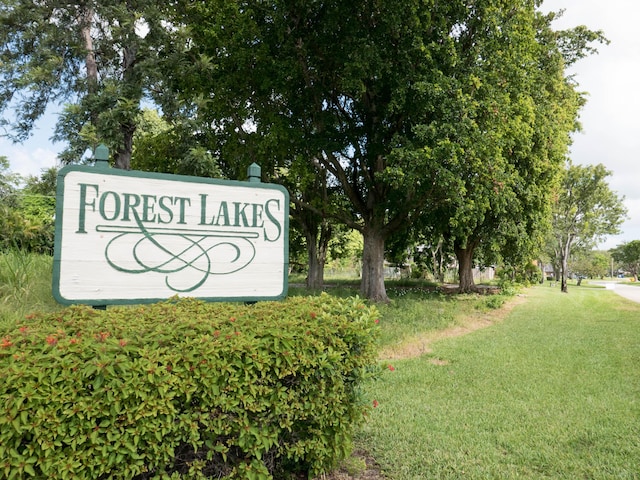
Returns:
point(90, 59)
point(465, 266)
point(437, 260)
point(317, 247)
point(90, 62)
point(131, 86)
point(372, 283)
point(564, 260)
point(315, 277)
point(123, 160)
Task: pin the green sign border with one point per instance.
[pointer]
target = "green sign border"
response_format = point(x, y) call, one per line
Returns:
point(159, 176)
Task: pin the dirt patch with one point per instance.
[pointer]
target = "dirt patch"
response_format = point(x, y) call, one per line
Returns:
point(360, 466)
point(420, 345)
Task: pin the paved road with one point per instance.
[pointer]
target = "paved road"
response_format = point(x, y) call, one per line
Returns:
point(627, 291)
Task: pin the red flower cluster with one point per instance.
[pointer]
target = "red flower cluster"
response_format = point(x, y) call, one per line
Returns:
point(375, 404)
point(52, 340)
point(391, 368)
point(102, 336)
point(6, 342)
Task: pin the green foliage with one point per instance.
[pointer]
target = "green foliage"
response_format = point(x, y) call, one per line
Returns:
point(495, 301)
point(586, 209)
point(506, 292)
point(103, 56)
point(628, 255)
point(527, 274)
point(38, 198)
point(9, 182)
point(24, 233)
point(590, 263)
point(26, 214)
point(184, 389)
point(160, 147)
point(15, 274)
point(25, 285)
point(450, 117)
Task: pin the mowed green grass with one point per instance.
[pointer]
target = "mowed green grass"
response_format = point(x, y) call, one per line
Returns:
point(553, 391)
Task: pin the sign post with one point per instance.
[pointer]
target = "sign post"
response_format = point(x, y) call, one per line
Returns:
point(127, 237)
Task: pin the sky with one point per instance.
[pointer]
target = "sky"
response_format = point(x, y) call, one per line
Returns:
point(610, 120)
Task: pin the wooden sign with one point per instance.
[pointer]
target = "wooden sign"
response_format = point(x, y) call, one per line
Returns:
point(138, 237)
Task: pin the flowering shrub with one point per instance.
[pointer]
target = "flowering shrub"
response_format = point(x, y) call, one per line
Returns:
point(184, 389)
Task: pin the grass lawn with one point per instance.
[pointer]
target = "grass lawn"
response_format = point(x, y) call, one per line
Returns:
point(553, 391)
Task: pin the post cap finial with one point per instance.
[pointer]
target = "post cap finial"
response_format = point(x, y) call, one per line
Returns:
point(254, 172)
point(101, 155)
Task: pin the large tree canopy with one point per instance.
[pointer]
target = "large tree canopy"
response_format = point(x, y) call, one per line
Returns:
point(413, 107)
point(96, 58)
point(344, 84)
point(512, 134)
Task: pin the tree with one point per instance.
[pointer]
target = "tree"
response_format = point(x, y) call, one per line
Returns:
point(365, 89)
point(310, 201)
point(9, 183)
point(411, 106)
point(39, 197)
point(337, 93)
point(590, 264)
point(517, 110)
point(523, 107)
point(98, 58)
point(628, 254)
point(585, 210)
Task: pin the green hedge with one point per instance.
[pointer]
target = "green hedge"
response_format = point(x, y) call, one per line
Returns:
point(184, 389)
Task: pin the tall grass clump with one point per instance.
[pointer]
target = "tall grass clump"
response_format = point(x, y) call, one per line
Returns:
point(414, 312)
point(25, 284)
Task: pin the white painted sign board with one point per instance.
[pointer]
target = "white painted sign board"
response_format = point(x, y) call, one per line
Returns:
point(137, 237)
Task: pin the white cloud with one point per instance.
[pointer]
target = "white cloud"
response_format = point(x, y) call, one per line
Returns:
point(611, 131)
point(27, 159)
point(630, 228)
point(37, 152)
